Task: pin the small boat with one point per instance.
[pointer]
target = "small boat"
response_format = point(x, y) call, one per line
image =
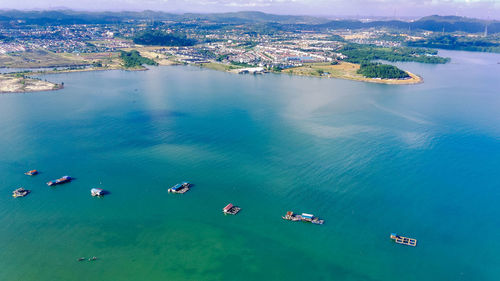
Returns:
point(62, 180)
point(92, 258)
point(180, 187)
point(404, 240)
point(31, 173)
point(230, 209)
point(81, 259)
point(97, 192)
point(20, 192)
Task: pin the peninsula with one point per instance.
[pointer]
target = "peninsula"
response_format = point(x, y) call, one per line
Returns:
point(15, 83)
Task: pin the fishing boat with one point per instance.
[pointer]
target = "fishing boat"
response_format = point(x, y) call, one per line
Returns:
point(31, 173)
point(62, 180)
point(403, 240)
point(97, 192)
point(180, 188)
point(230, 209)
point(20, 192)
point(291, 216)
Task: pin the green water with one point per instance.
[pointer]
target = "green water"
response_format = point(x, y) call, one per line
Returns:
point(420, 160)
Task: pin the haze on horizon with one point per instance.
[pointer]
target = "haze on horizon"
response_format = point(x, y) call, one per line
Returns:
point(486, 9)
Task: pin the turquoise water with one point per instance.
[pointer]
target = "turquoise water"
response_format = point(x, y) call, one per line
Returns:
point(420, 160)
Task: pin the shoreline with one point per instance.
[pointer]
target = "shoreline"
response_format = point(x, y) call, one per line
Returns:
point(347, 71)
point(343, 70)
point(15, 83)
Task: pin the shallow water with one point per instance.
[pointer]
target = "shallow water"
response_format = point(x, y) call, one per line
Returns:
point(420, 160)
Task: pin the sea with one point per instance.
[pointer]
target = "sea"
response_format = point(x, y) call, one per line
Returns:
point(421, 161)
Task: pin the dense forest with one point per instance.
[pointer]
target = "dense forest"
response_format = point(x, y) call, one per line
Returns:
point(134, 59)
point(357, 53)
point(465, 43)
point(160, 38)
point(384, 71)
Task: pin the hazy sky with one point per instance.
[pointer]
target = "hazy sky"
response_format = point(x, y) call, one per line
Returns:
point(476, 8)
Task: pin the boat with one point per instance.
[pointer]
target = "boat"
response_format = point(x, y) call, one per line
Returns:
point(403, 240)
point(230, 209)
point(97, 192)
point(291, 216)
point(20, 192)
point(31, 173)
point(62, 180)
point(180, 188)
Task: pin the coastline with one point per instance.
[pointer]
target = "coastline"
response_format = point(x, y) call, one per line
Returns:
point(343, 70)
point(347, 71)
point(12, 83)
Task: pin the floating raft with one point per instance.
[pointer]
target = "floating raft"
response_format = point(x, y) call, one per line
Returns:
point(97, 192)
point(31, 173)
point(231, 209)
point(20, 192)
point(180, 188)
point(62, 180)
point(304, 217)
point(404, 240)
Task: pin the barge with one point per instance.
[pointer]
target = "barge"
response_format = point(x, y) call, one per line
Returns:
point(97, 192)
point(20, 192)
point(180, 188)
point(62, 180)
point(291, 216)
point(230, 209)
point(404, 240)
point(31, 173)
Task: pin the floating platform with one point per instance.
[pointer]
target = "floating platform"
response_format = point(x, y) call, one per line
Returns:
point(31, 173)
point(62, 180)
point(97, 192)
point(180, 188)
point(404, 240)
point(230, 209)
point(20, 192)
point(303, 217)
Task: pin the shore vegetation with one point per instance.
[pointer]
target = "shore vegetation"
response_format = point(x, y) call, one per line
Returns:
point(133, 59)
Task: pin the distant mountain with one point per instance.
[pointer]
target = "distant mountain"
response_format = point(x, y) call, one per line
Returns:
point(454, 23)
point(256, 17)
point(283, 22)
point(76, 17)
point(430, 23)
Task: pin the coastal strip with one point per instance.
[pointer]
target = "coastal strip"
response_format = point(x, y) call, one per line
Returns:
point(16, 83)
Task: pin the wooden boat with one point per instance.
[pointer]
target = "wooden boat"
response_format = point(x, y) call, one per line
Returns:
point(404, 240)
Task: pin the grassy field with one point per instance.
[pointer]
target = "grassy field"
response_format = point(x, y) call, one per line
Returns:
point(345, 70)
point(219, 66)
point(39, 58)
